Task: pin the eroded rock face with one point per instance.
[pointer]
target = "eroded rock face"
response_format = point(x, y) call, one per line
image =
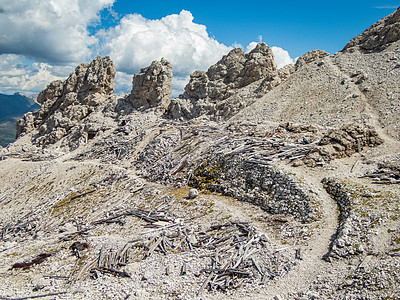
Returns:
point(309, 57)
point(275, 78)
point(97, 76)
point(235, 70)
point(152, 87)
point(65, 104)
point(342, 142)
point(378, 36)
point(351, 138)
point(230, 84)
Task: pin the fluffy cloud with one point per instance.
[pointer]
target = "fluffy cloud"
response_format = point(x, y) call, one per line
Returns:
point(54, 31)
point(19, 75)
point(281, 56)
point(137, 41)
point(123, 83)
point(44, 40)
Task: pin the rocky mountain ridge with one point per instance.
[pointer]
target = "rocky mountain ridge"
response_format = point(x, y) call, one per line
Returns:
point(256, 182)
point(12, 107)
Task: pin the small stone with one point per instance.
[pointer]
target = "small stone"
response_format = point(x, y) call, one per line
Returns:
point(192, 239)
point(297, 163)
point(193, 193)
point(184, 269)
point(360, 249)
point(67, 227)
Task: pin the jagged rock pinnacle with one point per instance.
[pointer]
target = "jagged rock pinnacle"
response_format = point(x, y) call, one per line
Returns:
point(152, 87)
point(65, 104)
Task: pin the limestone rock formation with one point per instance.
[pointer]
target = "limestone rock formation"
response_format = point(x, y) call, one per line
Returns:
point(97, 76)
point(81, 107)
point(343, 142)
point(351, 138)
point(274, 79)
point(229, 85)
point(235, 70)
point(379, 35)
point(66, 104)
point(152, 87)
point(349, 86)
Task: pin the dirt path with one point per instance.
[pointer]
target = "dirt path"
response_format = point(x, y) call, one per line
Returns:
point(307, 270)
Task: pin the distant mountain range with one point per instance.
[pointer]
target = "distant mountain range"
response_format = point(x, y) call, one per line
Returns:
point(12, 107)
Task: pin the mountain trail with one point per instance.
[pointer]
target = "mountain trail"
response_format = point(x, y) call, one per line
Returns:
point(312, 265)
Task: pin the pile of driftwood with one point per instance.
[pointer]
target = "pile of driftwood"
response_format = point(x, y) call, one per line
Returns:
point(234, 259)
point(274, 149)
point(119, 147)
point(238, 254)
point(230, 253)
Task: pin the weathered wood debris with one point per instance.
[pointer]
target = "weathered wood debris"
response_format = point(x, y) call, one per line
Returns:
point(238, 254)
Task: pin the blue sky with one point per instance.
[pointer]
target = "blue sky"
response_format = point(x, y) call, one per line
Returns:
point(297, 26)
point(44, 40)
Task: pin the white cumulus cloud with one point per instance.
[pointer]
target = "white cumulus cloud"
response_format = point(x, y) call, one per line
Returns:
point(44, 40)
point(53, 31)
point(137, 41)
point(251, 46)
point(281, 56)
point(28, 77)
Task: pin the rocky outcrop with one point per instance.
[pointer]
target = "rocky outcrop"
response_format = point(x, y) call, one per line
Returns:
point(97, 76)
point(81, 107)
point(66, 104)
point(339, 143)
point(351, 138)
point(235, 70)
point(378, 36)
point(309, 57)
point(274, 79)
point(152, 87)
point(230, 84)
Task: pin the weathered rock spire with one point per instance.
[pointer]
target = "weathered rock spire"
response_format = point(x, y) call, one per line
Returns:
point(152, 87)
